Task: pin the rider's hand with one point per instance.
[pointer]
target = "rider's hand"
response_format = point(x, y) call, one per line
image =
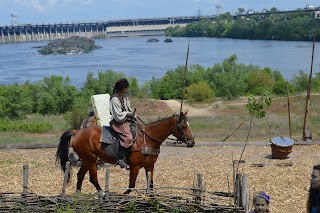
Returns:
point(130, 115)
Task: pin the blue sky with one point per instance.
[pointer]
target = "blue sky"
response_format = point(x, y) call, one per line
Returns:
point(57, 11)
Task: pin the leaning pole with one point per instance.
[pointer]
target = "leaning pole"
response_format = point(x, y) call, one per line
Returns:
point(309, 87)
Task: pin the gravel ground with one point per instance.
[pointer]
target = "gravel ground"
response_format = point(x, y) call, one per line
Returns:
point(286, 181)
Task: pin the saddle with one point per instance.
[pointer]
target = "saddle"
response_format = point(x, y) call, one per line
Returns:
point(110, 139)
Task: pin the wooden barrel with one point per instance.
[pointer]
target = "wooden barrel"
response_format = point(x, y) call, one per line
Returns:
point(281, 147)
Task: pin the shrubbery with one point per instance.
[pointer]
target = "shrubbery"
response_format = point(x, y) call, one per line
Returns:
point(295, 27)
point(200, 92)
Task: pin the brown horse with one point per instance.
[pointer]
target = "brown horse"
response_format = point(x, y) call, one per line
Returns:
point(144, 151)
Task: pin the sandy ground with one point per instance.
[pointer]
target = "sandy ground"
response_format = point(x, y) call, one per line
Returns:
point(175, 105)
point(287, 185)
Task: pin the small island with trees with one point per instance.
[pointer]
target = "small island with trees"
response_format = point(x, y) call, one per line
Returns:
point(72, 45)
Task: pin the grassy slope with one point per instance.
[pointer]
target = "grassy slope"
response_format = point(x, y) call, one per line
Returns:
point(221, 119)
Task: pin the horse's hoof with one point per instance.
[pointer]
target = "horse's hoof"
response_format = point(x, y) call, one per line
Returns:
point(127, 167)
point(78, 192)
point(127, 192)
point(101, 193)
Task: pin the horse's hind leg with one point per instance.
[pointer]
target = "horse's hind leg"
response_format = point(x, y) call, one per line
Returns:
point(82, 172)
point(94, 177)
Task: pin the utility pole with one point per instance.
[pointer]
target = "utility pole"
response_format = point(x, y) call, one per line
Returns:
point(199, 13)
point(14, 19)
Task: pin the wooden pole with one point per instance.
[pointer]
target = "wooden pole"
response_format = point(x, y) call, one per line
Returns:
point(228, 136)
point(288, 97)
point(25, 170)
point(238, 190)
point(184, 78)
point(244, 192)
point(199, 188)
point(309, 88)
point(107, 183)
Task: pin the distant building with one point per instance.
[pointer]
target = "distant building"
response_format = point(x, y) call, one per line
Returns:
point(309, 7)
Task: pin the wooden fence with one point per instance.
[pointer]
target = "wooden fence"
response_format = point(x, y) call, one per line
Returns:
point(162, 199)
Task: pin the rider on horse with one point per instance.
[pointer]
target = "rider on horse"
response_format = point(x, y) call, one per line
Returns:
point(122, 115)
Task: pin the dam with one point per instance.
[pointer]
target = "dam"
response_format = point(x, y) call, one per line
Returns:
point(94, 29)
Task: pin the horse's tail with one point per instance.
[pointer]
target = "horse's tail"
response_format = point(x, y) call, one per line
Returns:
point(62, 154)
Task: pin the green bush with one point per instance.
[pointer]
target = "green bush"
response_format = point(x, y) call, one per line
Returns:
point(75, 117)
point(200, 92)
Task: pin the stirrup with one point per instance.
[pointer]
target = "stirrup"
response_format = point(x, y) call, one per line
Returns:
point(122, 163)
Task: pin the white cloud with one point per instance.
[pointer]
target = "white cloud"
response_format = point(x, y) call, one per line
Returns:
point(42, 5)
point(52, 2)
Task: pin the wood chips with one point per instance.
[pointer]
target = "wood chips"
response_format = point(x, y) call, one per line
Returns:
point(286, 181)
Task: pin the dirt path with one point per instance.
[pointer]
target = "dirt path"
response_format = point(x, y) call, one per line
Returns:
point(175, 106)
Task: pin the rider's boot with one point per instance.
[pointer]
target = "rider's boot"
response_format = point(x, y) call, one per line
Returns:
point(122, 154)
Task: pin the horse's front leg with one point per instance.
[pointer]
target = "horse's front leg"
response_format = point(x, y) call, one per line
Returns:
point(134, 171)
point(147, 170)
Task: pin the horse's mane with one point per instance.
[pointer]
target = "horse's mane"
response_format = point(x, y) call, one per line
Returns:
point(166, 118)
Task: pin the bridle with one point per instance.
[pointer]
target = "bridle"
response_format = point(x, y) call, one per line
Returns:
point(181, 133)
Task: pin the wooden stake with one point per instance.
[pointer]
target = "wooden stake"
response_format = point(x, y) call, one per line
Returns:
point(107, 183)
point(309, 88)
point(288, 97)
point(25, 170)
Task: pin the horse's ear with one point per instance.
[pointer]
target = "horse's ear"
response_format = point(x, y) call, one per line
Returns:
point(185, 114)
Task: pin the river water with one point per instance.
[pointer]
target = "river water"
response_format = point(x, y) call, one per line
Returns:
point(134, 56)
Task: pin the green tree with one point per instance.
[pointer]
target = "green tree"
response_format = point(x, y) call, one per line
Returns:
point(300, 81)
point(200, 92)
point(56, 95)
point(104, 83)
point(165, 89)
point(134, 89)
point(16, 102)
point(241, 10)
point(259, 81)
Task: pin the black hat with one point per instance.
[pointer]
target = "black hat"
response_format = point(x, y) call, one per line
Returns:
point(120, 84)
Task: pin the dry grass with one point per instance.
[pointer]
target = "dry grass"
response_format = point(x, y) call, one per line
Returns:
point(287, 185)
point(212, 122)
point(177, 166)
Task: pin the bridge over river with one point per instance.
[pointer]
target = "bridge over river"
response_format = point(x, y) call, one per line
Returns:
point(124, 27)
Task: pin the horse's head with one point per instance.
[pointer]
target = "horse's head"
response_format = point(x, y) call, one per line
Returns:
point(182, 131)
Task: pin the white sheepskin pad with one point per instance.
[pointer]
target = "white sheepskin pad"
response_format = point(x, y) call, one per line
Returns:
point(100, 105)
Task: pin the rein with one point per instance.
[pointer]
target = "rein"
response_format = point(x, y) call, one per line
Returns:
point(145, 133)
point(179, 127)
